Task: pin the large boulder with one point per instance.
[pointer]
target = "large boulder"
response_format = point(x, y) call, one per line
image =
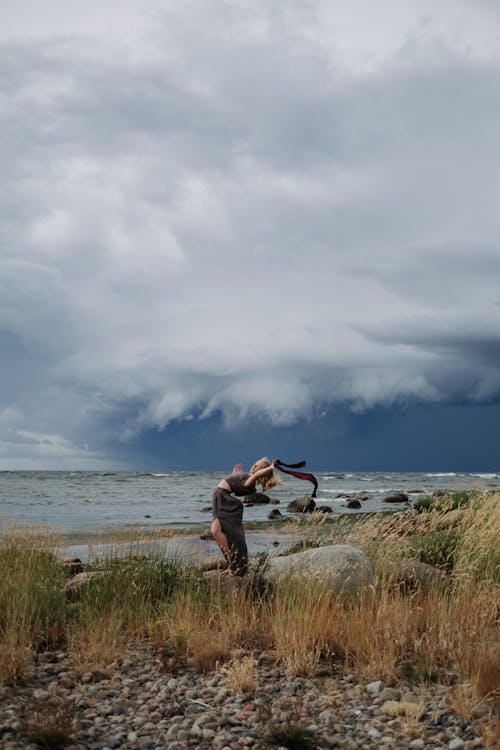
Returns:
point(304, 504)
point(342, 567)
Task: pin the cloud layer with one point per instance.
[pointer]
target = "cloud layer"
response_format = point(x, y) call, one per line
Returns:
point(244, 209)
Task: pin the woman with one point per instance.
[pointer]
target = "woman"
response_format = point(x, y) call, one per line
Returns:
point(227, 526)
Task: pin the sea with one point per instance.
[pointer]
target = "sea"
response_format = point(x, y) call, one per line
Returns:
point(79, 502)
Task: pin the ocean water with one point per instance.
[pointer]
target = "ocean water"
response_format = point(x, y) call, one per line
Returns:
point(77, 502)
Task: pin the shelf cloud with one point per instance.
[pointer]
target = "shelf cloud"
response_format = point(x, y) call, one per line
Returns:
point(243, 210)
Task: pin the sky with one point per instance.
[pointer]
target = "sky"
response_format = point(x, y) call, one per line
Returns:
point(230, 229)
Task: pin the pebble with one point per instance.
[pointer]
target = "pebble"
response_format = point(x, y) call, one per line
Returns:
point(374, 688)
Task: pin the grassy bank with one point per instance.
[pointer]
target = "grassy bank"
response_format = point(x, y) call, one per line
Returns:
point(446, 630)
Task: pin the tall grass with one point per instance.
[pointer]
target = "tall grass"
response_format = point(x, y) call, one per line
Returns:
point(32, 604)
point(448, 633)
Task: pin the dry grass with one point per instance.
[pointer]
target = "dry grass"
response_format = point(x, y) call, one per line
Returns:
point(486, 674)
point(449, 634)
point(49, 726)
point(211, 627)
point(491, 734)
point(240, 674)
point(300, 620)
point(94, 645)
point(31, 601)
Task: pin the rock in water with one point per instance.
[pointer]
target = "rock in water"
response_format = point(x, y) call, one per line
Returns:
point(352, 504)
point(343, 567)
point(275, 513)
point(398, 497)
point(258, 498)
point(304, 504)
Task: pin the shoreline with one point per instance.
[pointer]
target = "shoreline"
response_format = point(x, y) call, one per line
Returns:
point(186, 543)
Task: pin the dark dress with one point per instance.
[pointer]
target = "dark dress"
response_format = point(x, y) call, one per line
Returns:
point(229, 511)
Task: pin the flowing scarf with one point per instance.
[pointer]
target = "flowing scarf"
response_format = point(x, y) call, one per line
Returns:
point(299, 474)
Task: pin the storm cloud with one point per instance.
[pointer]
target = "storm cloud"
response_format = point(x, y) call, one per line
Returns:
point(243, 211)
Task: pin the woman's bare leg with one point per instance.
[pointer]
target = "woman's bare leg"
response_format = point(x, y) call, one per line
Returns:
point(221, 539)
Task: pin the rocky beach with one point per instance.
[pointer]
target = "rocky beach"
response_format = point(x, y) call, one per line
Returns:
point(374, 631)
point(139, 703)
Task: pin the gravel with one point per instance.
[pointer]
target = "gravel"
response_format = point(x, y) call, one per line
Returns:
point(138, 706)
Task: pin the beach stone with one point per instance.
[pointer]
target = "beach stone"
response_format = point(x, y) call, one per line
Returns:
point(40, 695)
point(374, 688)
point(410, 574)
point(275, 513)
point(304, 504)
point(352, 504)
point(390, 694)
point(398, 497)
point(73, 565)
point(456, 744)
point(75, 586)
point(345, 568)
point(212, 563)
point(257, 498)
point(323, 509)
point(417, 743)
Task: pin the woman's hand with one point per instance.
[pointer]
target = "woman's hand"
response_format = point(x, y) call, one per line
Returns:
point(237, 468)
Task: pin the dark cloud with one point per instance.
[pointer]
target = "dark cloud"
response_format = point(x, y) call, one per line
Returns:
point(243, 212)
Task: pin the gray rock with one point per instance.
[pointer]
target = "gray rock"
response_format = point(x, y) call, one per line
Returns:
point(374, 688)
point(275, 513)
point(343, 567)
point(73, 565)
point(456, 744)
point(258, 498)
point(304, 504)
point(390, 694)
point(212, 563)
point(398, 497)
point(352, 504)
point(410, 574)
point(75, 586)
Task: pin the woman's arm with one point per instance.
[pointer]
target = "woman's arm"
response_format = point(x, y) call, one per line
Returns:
point(260, 473)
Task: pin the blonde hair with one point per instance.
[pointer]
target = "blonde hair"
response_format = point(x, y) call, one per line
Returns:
point(269, 480)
